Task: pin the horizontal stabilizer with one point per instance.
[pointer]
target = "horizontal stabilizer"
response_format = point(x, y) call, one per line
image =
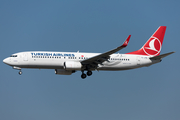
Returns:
point(161, 56)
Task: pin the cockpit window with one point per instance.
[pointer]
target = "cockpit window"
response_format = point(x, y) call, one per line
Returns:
point(13, 56)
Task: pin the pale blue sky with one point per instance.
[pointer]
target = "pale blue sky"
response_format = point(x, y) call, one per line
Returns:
point(151, 93)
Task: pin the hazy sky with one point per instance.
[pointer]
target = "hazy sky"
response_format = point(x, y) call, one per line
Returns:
point(150, 93)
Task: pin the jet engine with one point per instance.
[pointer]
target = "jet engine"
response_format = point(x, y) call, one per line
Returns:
point(72, 65)
point(63, 72)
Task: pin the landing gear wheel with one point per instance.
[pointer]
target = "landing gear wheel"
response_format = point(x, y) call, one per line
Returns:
point(89, 73)
point(83, 76)
point(20, 72)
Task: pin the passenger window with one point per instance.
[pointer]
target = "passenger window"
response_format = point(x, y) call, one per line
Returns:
point(13, 56)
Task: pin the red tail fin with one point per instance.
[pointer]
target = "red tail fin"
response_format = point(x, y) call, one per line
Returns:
point(153, 46)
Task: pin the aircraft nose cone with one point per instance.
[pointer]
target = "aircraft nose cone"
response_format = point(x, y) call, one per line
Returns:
point(5, 61)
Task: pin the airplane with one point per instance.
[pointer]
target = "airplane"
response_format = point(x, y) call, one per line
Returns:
point(66, 63)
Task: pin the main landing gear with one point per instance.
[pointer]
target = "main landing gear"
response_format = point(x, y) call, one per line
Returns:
point(83, 76)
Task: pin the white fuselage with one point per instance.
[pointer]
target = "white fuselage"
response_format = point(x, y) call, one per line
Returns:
point(55, 60)
point(66, 63)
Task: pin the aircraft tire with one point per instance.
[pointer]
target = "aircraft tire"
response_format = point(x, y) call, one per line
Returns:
point(89, 73)
point(83, 76)
point(20, 72)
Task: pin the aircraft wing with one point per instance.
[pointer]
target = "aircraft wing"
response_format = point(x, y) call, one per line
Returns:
point(99, 59)
point(159, 57)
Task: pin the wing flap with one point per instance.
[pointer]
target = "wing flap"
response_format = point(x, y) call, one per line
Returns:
point(104, 56)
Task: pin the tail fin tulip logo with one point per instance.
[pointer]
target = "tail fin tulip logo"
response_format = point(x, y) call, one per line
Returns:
point(152, 47)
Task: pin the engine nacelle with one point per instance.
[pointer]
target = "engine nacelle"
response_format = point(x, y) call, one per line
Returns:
point(63, 72)
point(72, 65)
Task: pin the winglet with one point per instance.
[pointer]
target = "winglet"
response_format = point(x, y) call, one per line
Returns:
point(126, 41)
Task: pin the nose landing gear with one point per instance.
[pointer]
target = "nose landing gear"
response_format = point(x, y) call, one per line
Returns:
point(18, 68)
point(20, 72)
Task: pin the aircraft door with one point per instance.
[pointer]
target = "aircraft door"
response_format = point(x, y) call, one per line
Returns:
point(25, 57)
point(138, 60)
